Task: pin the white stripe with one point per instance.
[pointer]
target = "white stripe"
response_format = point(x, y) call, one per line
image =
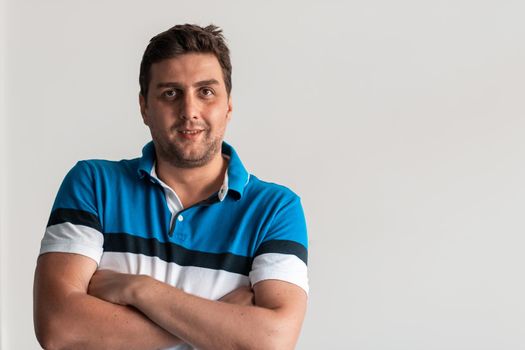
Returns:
point(284, 267)
point(207, 283)
point(69, 238)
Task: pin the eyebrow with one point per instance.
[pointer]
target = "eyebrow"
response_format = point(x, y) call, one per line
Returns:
point(197, 84)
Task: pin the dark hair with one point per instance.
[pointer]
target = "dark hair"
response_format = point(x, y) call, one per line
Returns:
point(181, 39)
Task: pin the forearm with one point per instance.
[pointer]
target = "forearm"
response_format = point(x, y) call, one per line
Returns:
point(210, 324)
point(85, 322)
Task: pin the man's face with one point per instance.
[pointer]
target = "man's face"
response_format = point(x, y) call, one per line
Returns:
point(187, 109)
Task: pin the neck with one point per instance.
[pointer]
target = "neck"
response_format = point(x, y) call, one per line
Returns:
point(193, 185)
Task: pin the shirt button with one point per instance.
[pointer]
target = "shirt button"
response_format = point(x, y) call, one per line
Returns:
point(180, 218)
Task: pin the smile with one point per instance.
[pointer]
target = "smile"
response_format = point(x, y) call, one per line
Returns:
point(190, 132)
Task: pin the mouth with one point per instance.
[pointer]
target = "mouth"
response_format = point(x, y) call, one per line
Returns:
point(190, 134)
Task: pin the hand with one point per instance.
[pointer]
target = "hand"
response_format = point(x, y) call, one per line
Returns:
point(240, 296)
point(112, 286)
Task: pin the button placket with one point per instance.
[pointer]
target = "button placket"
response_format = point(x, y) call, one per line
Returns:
point(178, 229)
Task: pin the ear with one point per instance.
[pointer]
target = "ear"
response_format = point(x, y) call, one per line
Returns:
point(143, 106)
point(230, 109)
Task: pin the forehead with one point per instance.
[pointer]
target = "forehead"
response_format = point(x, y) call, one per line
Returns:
point(187, 68)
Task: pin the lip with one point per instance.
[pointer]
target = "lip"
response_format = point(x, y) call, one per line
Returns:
point(189, 134)
point(189, 131)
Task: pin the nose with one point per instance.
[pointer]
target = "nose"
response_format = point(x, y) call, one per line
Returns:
point(189, 108)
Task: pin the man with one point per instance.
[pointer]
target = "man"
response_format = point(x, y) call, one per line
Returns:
point(180, 248)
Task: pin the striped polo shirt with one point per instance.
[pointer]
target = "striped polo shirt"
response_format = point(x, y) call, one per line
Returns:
point(121, 215)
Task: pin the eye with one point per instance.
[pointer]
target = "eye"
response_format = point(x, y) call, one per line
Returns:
point(170, 94)
point(207, 92)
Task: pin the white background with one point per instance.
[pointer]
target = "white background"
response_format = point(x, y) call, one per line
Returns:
point(400, 124)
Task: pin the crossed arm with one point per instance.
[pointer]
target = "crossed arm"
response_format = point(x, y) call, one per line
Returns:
point(77, 307)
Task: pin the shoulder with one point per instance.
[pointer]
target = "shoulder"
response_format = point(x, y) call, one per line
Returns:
point(271, 190)
point(104, 165)
point(89, 179)
point(281, 207)
point(102, 169)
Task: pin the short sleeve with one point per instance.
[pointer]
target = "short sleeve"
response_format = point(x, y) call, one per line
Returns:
point(283, 253)
point(74, 226)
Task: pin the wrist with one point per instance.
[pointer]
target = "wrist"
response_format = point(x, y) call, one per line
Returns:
point(134, 288)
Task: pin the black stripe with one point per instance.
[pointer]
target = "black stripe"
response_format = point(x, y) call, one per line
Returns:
point(170, 252)
point(74, 216)
point(284, 247)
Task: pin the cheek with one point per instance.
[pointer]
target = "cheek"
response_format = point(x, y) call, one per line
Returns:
point(219, 113)
point(160, 119)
